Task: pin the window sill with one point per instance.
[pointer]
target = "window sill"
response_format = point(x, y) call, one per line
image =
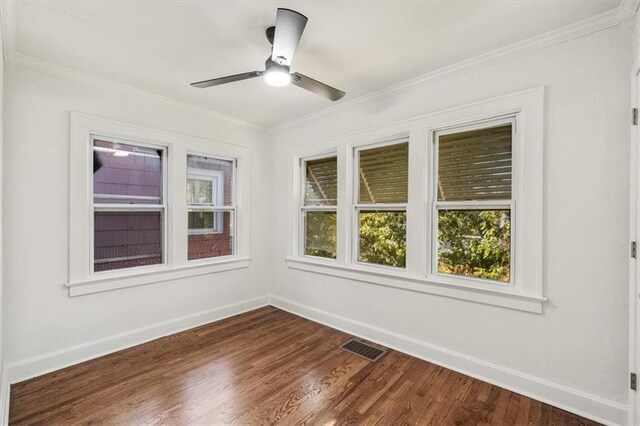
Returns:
point(503, 297)
point(99, 284)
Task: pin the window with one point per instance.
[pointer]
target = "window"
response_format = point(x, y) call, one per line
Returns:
point(149, 206)
point(211, 211)
point(473, 205)
point(450, 203)
point(318, 210)
point(128, 205)
point(380, 205)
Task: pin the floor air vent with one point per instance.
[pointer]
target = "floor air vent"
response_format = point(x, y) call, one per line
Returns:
point(364, 350)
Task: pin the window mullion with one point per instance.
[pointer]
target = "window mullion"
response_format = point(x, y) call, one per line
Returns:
point(199, 207)
point(381, 206)
point(318, 208)
point(128, 207)
point(474, 205)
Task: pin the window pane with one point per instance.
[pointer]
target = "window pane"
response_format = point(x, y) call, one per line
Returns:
point(383, 236)
point(127, 239)
point(205, 221)
point(200, 191)
point(321, 182)
point(204, 243)
point(475, 165)
point(320, 234)
point(384, 174)
point(126, 174)
point(210, 181)
point(475, 243)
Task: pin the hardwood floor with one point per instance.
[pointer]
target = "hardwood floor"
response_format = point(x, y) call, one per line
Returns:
point(266, 367)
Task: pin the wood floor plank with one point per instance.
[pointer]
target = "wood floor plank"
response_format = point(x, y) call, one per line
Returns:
point(267, 367)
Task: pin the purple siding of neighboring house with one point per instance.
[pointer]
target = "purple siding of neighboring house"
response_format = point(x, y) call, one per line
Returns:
point(135, 175)
point(133, 235)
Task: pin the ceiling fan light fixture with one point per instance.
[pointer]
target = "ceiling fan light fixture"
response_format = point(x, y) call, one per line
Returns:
point(277, 76)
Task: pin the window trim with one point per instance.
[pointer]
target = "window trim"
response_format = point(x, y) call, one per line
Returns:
point(303, 209)
point(510, 204)
point(80, 280)
point(529, 104)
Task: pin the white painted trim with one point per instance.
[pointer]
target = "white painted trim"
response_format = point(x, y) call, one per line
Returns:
point(397, 278)
point(576, 401)
point(50, 68)
point(5, 392)
point(587, 26)
point(634, 210)
point(56, 360)
point(401, 127)
point(98, 285)
point(8, 24)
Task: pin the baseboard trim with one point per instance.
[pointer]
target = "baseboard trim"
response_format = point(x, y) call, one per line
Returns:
point(52, 361)
point(569, 399)
point(573, 400)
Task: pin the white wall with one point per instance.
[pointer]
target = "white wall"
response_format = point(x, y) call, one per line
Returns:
point(4, 387)
point(41, 318)
point(579, 344)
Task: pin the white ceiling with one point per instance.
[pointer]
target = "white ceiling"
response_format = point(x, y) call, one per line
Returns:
point(357, 46)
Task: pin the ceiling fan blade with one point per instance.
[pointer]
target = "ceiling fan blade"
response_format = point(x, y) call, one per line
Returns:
point(227, 79)
point(316, 87)
point(289, 27)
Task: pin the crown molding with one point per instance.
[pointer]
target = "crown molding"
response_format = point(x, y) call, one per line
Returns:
point(578, 29)
point(50, 68)
point(12, 56)
point(8, 23)
point(626, 10)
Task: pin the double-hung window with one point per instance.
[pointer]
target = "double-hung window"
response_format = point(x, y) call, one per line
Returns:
point(380, 204)
point(461, 218)
point(148, 206)
point(319, 207)
point(473, 208)
point(128, 205)
point(211, 210)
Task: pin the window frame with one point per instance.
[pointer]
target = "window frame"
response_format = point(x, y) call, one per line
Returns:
point(81, 279)
point(476, 205)
point(216, 177)
point(303, 209)
point(357, 207)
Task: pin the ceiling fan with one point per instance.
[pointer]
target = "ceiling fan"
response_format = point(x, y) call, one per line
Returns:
point(284, 39)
